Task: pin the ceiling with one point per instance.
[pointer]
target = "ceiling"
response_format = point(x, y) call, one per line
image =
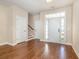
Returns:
point(36, 6)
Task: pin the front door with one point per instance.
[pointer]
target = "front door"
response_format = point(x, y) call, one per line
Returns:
point(55, 27)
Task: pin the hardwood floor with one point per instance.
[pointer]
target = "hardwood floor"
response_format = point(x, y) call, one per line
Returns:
point(36, 49)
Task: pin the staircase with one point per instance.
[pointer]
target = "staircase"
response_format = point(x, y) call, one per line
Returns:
point(30, 32)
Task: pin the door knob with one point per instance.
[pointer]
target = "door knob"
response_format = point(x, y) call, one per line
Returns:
point(24, 30)
point(58, 29)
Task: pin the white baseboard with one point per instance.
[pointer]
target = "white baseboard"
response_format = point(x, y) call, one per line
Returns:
point(14, 43)
point(7, 43)
point(69, 44)
point(4, 43)
point(78, 55)
point(76, 52)
point(56, 42)
point(29, 39)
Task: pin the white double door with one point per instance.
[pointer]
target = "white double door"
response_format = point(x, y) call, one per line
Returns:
point(21, 28)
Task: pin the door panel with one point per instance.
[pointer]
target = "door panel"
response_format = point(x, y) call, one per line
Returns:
point(54, 29)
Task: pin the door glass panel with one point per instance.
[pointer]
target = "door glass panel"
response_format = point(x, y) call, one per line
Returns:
point(62, 28)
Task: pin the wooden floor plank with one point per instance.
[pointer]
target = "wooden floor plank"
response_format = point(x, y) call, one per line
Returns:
point(36, 49)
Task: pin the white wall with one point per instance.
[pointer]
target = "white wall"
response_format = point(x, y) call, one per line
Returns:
point(17, 11)
point(3, 24)
point(37, 26)
point(69, 24)
point(68, 10)
point(42, 26)
point(31, 20)
point(8, 22)
point(76, 27)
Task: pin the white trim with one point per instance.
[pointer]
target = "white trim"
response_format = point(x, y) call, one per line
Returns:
point(13, 44)
point(29, 39)
point(68, 44)
point(78, 55)
point(76, 52)
point(7, 43)
point(57, 42)
point(4, 43)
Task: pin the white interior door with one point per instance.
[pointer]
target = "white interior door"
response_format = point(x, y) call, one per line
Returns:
point(21, 29)
point(54, 25)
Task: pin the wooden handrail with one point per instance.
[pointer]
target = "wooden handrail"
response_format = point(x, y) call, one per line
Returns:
point(30, 27)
